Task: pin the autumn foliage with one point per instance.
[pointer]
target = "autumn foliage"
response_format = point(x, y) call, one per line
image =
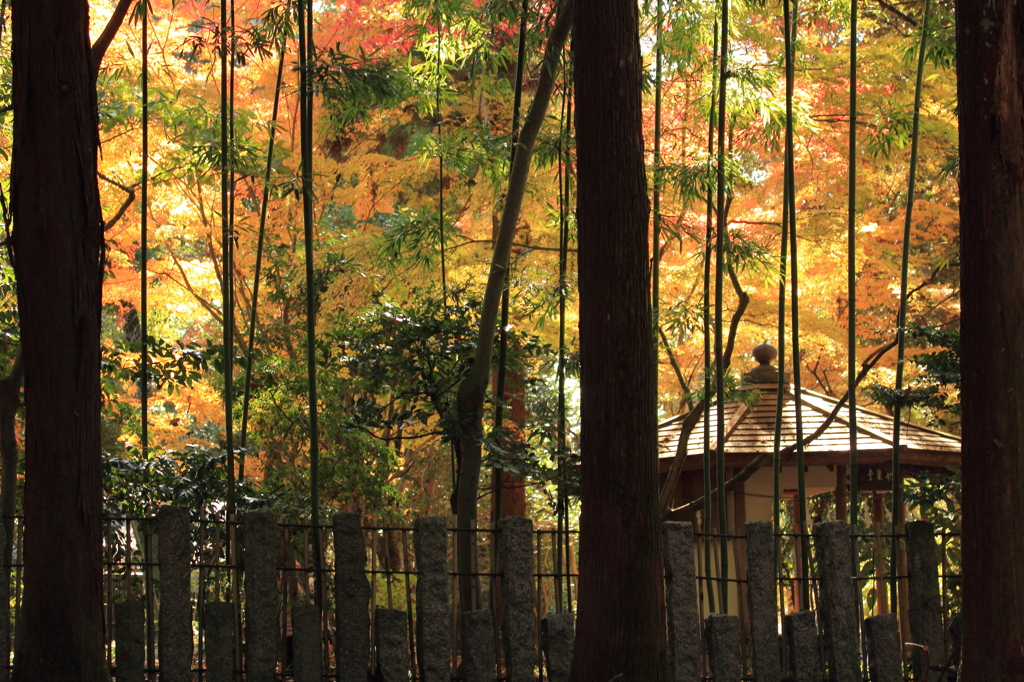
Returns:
point(413, 121)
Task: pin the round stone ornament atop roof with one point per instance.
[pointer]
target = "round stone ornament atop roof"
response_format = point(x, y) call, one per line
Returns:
point(764, 353)
point(764, 373)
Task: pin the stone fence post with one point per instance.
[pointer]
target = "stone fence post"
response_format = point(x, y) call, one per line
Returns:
point(838, 599)
point(517, 597)
point(174, 549)
point(433, 595)
point(681, 600)
point(351, 598)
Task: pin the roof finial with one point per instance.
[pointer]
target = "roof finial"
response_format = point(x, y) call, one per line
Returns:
point(764, 353)
point(765, 372)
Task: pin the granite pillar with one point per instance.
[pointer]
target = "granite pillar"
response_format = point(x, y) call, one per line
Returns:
point(392, 645)
point(307, 640)
point(722, 633)
point(802, 636)
point(681, 601)
point(558, 634)
point(925, 602)
point(433, 596)
point(838, 599)
point(174, 551)
point(883, 640)
point(219, 628)
point(352, 599)
point(517, 595)
point(761, 602)
point(130, 628)
point(478, 661)
point(262, 598)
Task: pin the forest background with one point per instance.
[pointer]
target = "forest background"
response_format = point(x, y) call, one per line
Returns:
point(414, 112)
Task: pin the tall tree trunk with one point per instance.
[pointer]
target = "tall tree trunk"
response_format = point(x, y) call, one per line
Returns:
point(621, 626)
point(990, 69)
point(10, 401)
point(470, 401)
point(990, 72)
point(58, 261)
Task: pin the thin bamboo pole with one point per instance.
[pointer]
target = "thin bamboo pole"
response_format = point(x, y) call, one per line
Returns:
point(563, 445)
point(790, 214)
point(656, 194)
point(851, 340)
point(147, 558)
point(709, 226)
point(201, 597)
point(440, 174)
point(560, 443)
point(109, 593)
point(440, 207)
point(720, 239)
point(254, 306)
point(144, 239)
point(901, 325)
point(306, 54)
point(782, 387)
point(227, 245)
point(851, 324)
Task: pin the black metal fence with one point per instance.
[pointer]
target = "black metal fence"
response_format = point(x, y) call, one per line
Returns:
point(305, 567)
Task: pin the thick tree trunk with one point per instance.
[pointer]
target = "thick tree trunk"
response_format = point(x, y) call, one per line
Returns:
point(621, 625)
point(990, 69)
point(58, 249)
point(10, 401)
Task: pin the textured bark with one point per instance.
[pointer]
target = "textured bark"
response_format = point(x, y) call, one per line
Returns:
point(10, 401)
point(621, 617)
point(990, 66)
point(58, 249)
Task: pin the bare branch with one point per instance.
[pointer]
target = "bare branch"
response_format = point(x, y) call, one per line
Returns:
point(685, 429)
point(528, 247)
point(187, 286)
point(129, 200)
point(889, 7)
point(99, 48)
point(672, 360)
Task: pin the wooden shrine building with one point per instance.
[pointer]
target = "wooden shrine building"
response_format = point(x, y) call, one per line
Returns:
point(750, 433)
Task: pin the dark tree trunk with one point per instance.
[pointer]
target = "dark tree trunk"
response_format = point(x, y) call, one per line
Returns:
point(470, 402)
point(990, 69)
point(621, 626)
point(10, 401)
point(58, 250)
